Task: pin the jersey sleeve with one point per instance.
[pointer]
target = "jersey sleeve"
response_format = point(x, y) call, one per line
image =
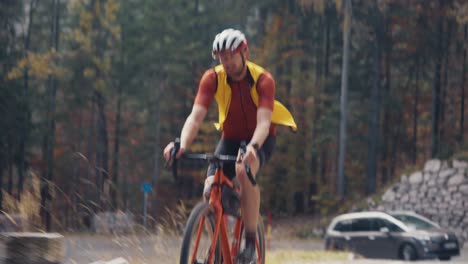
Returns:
point(206, 89)
point(266, 91)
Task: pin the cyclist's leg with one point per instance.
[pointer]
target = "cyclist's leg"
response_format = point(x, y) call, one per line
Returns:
point(250, 198)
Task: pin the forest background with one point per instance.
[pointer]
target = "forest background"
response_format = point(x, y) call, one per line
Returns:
point(92, 90)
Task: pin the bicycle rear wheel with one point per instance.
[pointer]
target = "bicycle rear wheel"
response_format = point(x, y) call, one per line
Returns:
point(198, 237)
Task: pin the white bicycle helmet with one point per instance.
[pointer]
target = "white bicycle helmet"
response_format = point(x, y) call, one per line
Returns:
point(229, 39)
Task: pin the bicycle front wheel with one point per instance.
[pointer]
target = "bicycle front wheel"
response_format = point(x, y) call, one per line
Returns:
point(198, 237)
point(259, 244)
point(261, 239)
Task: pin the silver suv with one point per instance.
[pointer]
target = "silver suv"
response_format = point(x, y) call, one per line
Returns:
point(393, 235)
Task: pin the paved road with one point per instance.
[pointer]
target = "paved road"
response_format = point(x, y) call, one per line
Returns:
point(164, 249)
point(318, 245)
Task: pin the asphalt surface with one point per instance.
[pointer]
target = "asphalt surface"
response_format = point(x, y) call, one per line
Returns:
point(85, 249)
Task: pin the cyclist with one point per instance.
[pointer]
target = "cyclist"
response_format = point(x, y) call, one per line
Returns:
point(247, 111)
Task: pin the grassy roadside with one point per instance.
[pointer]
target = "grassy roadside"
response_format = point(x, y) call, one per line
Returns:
point(302, 256)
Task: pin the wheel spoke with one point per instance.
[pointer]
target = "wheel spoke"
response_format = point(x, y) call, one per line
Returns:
point(198, 237)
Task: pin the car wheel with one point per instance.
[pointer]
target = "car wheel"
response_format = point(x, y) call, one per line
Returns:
point(332, 246)
point(408, 252)
point(445, 258)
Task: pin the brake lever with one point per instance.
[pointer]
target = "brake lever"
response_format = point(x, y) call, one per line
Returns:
point(174, 151)
point(243, 149)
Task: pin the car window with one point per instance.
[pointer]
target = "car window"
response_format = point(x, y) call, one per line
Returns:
point(343, 226)
point(361, 225)
point(378, 223)
point(414, 222)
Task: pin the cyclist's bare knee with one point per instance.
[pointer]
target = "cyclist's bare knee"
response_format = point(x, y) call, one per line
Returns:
point(207, 187)
point(242, 174)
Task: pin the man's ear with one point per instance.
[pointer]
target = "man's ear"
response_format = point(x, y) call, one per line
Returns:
point(246, 53)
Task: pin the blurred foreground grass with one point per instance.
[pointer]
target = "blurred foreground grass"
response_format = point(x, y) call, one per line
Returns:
point(302, 256)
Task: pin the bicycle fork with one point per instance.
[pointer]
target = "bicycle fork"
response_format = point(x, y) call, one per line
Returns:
point(220, 233)
point(236, 240)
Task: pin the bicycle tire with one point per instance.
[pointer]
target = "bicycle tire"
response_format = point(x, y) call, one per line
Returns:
point(200, 212)
point(260, 238)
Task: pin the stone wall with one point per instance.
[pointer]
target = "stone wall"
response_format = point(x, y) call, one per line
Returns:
point(31, 248)
point(439, 192)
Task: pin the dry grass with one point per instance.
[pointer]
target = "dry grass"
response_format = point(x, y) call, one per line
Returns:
point(299, 256)
point(298, 227)
point(28, 208)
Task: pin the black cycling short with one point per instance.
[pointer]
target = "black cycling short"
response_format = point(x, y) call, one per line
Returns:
point(231, 147)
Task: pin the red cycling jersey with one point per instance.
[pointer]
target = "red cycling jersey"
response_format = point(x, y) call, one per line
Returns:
point(241, 120)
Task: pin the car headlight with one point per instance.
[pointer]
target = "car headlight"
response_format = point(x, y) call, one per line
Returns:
point(424, 239)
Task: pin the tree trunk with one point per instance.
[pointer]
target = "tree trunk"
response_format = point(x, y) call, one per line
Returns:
point(344, 98)
point(75, 190)
point(26, 113)
point(463, 80)
point(318, 50)
point(416, 114)
point(115, 163)
point(374, 122)
point(46, 198)
point(10, 167)
point(322, 171)
point(157, 147)
point(1, 186)
point(315, 112)
point(326, 66)
point(436, 101)
point(91, 192)
point(387, 117)
point(102, 153)
point(444, 90)
point(395, 147)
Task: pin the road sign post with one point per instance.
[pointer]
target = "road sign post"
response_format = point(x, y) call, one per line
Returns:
point(145, 188)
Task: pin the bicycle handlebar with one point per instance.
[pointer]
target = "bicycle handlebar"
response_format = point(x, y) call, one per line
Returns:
point(210, 157)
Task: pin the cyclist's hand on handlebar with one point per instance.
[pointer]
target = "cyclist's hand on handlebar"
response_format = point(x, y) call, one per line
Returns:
point(250, 156)
point(168, 153)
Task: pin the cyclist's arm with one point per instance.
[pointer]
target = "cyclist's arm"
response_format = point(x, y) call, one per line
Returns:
point(192, 125)
point(266, 93)
point(263, 126)
point(260, 134)
point(205, 95)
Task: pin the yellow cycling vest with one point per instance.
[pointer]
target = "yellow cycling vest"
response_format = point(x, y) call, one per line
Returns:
point(280, 114)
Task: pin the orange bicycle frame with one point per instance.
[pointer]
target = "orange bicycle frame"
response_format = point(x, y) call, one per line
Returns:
point(220, 233)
